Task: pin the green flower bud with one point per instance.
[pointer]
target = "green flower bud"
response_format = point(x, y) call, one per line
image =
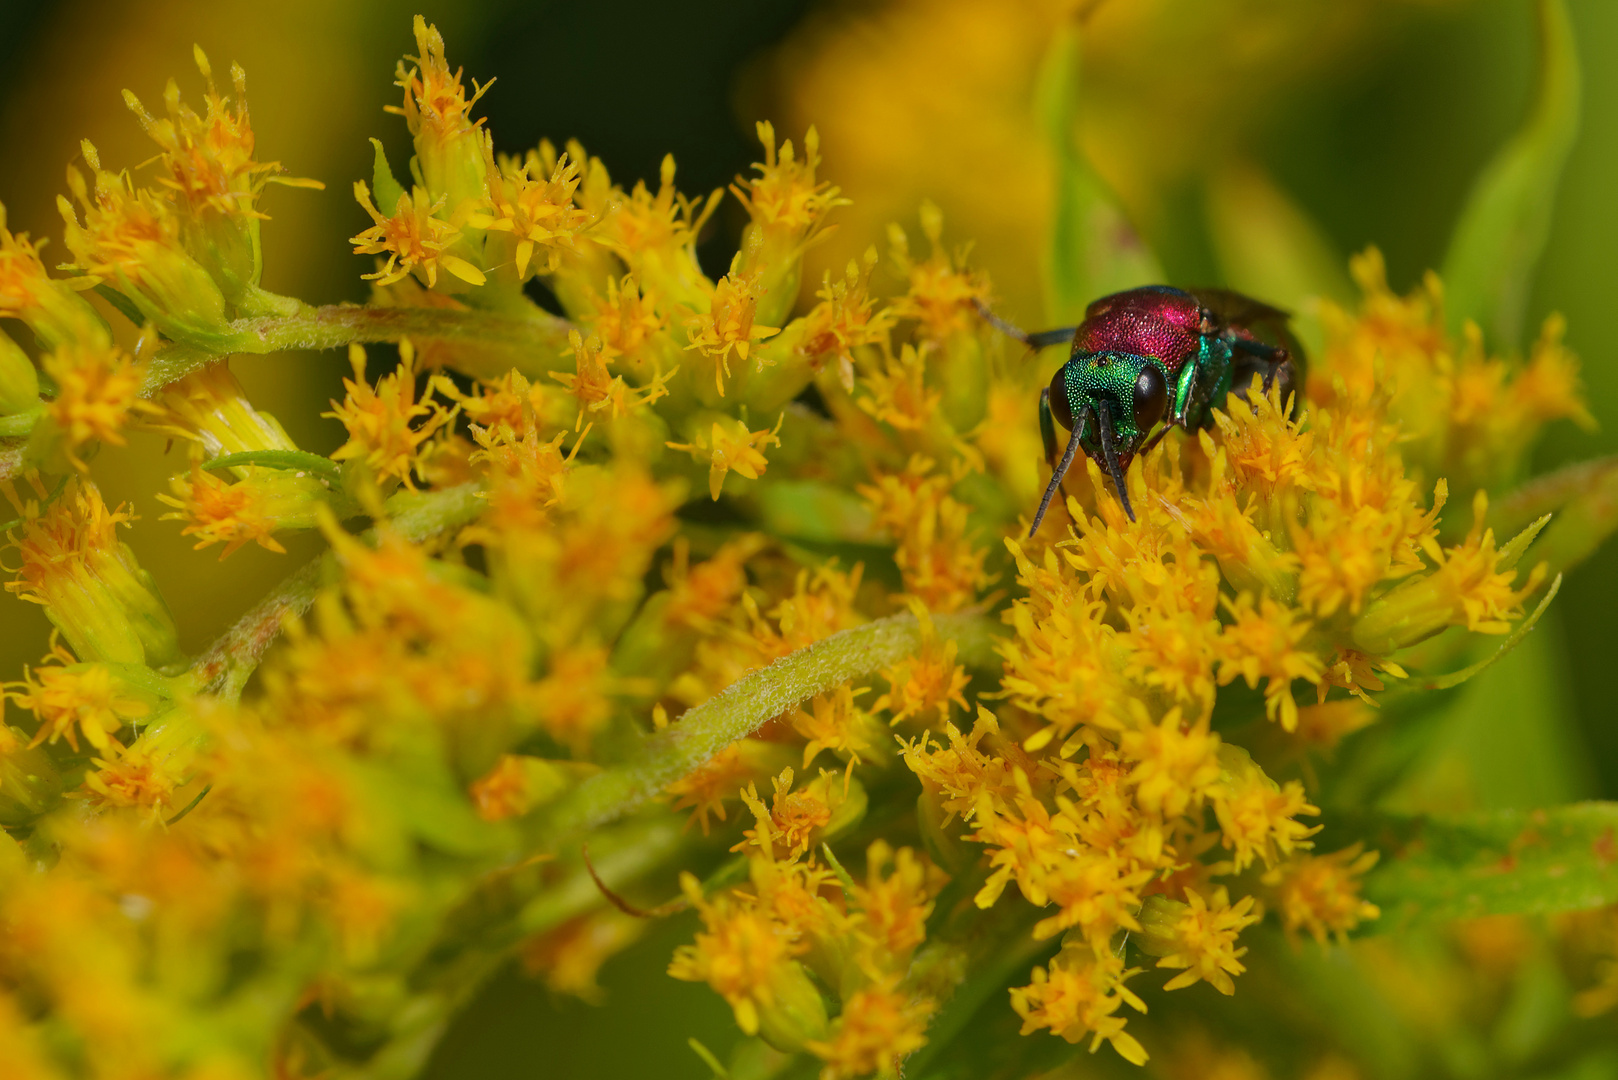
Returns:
point(30, 782)
point(796, 1012)
point(1159, 918)
point(19, 382)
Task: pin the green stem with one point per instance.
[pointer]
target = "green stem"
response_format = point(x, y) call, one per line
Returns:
point(533, 340)
point(223, 670)
point(18, 425)
point(336, 325)
point(739, 709)
point(476, 937)
point(999, 948)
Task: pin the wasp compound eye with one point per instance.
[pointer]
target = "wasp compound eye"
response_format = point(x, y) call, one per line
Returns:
point(1151, 397)
point(1061, 408)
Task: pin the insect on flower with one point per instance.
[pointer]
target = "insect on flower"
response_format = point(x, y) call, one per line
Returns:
point(1151, 354)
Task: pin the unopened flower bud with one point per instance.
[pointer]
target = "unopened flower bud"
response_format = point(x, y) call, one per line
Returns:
point(943, 844)
point(19, 382)
point(848, 801)
point(1159, 920)
point(796, 1012)
point(450, 145)
point(30, 782)
point(210, 406)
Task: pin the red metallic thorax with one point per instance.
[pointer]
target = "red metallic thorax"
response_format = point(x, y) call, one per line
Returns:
point(1152, 321)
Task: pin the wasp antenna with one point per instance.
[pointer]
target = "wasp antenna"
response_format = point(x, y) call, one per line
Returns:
point(988, 316)
point(625, 906)
point(1110, 451)
point(1061, 470)
point(1036, 340)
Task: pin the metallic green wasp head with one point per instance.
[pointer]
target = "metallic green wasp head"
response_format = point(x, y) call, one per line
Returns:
point(1116, 399)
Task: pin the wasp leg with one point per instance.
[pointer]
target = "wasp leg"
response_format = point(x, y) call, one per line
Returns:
point(1039, 339)
point(1273, 353)
point(1047, 426)
point(1261, 359)
point(1186, 396)
point(1146, 448)
point(1272, 362)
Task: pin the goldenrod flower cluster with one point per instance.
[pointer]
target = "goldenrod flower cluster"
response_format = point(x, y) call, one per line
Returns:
point(709, 595)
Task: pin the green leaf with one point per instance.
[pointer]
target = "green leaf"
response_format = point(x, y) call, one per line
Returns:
point(125, 306)
point(384, 187)
point(708, 1059)
point(1508, 740)
point(815, 510)
point(295, 460)
point(1093, 250)
point(1444, 682)
point(1585, 498)
point(1504, 225)
point(849, 888)
point(188, 807)
point(1503, 862)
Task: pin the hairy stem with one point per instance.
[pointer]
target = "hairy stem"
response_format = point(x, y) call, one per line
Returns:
point(223, 670)
point(740, 708)
point(530, 340)
point(535, 332)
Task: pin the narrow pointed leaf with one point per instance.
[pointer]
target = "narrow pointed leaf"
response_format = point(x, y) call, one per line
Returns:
point(1093, 250)
point(740, 708)
point(1503, 227)
point(1520, 631)
point(387, 190)
point(294, 460)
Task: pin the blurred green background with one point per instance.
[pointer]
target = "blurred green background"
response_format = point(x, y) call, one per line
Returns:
point(1373, 115)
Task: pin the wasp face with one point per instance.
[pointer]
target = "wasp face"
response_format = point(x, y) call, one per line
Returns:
point(1116, 399)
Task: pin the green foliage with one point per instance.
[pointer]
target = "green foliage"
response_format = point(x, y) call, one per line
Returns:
point(1506, 220)
point(385, 188)
point(1504, 862)
point(1092, 251)
point(293, 460)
